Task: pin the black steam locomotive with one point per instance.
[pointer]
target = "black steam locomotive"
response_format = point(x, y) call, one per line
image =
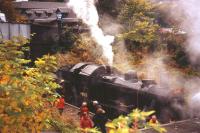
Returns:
point(118, 93)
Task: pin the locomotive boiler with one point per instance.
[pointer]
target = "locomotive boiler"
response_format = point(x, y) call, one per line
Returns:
point(117, 92)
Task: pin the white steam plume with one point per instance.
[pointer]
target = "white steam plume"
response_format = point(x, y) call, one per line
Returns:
point(191, 23)
point(189, 12)
point(86, 10)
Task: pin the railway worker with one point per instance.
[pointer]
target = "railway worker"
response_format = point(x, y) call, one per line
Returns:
point(85, 121)
point(84, 109)
point(96, 105)
point(153, 120)
point(60, 104)
point(100, 119)
point(135, 123)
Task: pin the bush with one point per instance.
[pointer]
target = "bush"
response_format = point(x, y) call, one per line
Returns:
point(26, 93)
point(132, 123)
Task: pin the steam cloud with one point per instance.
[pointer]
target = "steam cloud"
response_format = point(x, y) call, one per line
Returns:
point(191, 24)
point(188, 12)
point(86, 10)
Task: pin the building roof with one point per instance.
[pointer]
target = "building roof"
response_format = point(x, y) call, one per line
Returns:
point(45, 12)
point(38, 5)
point(64, 20)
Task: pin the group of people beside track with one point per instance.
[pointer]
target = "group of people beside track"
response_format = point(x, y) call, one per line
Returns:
point(98, 120)
point(86, 120)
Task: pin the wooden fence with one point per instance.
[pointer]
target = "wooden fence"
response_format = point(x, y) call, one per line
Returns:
point(9, 30)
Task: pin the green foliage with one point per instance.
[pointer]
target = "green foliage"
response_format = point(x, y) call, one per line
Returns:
point(142, 32)
point(140, 115)
point(26, 93)
point(63, 127)
point(137, 119)
point(65, 41)
point(7, 7)
point(135, 9)
point(138, 19)
point(83, 50)
point(90, 130)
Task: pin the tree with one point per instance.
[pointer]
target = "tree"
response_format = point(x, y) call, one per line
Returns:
point(138, 19)
point(83, 50)
point(26, 93)
point(6, 6)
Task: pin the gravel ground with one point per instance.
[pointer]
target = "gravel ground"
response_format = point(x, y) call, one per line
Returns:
point(71, 111)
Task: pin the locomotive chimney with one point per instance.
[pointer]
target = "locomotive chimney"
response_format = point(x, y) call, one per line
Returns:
point(131, 75)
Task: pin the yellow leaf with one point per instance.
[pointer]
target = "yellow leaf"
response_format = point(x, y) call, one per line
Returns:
point(13, 104)
point(5, 129)
point(110, 125)
point(4, 79)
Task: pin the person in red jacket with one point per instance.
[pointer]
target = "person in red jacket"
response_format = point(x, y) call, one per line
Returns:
point(85, 121)
point(84, 109)
point(60, 104)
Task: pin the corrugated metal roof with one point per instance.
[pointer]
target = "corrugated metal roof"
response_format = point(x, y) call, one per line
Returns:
point(38, 5)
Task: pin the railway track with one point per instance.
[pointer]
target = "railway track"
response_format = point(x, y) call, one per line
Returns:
point(73, 111)
point(185, 126)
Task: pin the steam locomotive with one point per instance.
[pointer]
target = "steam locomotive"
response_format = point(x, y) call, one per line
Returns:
point(117, 92)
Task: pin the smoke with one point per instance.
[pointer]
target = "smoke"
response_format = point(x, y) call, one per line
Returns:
point(154, 67)
point(193, 98)
point(112, 27)
point(175, 82)
point(187, 12)
point(191, 23)
point(86, 10)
